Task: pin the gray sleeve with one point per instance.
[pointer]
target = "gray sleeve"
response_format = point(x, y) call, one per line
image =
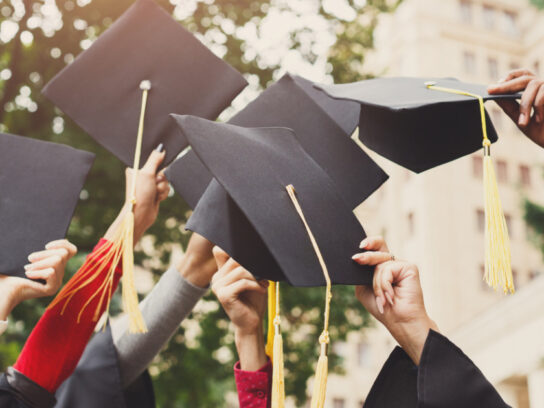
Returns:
point(170, 301)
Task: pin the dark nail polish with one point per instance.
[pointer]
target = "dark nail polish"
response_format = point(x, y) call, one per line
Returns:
point(159, 148)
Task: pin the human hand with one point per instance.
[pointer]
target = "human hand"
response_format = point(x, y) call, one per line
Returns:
point(532, 124)
point(198, 264)
point(244, 300)
point(396, 298)
point(47, 265)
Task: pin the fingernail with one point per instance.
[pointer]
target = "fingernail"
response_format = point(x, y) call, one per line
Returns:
point(31, 257)
point(379, 304)
point(522, 118)
point(358, 257)
point(389, 298)
point(363, 243)
point(27, 267)
point(159, 148)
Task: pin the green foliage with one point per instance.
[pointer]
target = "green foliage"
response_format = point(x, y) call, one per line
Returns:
point(195, 369)
point(538, 3)
point(534, 218)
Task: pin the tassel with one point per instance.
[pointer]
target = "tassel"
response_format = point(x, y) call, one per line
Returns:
point(271, 314)
point(278, 381)
point(498, 268)
point(121, 247)
point(321, 374)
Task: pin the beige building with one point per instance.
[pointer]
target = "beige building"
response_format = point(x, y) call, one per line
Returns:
point(436, 218)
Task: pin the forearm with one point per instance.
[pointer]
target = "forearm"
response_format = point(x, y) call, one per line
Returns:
point(412, 336)
point(198, 264)
point(250, 347)
point(139, 228)
point(170, 301)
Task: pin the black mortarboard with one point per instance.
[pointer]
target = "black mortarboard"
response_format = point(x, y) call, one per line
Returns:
point(40, 183)
point(289, 104)
point(414, 126)
point(101, 92)
point(254, 166)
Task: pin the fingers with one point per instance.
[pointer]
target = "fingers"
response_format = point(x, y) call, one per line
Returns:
point(236, 274)
point(63, 243)
point(221, 257)
point(163, 189)
point(527, 100)
point(374, 243)
point(53, 261)
point(154, 161)
point(61, 253)
point(517, 84)
point(538, 105)
point(372, 258)
point(517, 73)
point(44, 274)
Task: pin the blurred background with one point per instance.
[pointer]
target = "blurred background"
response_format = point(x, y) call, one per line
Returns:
point(435, 219)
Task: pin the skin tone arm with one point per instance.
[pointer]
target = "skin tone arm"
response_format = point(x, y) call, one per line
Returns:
point(528, 114)
point(244, 301)
point(47, 265)
point(396, 298)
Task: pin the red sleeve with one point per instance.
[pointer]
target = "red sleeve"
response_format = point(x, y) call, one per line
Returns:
point(254, 387)
point(56, 344)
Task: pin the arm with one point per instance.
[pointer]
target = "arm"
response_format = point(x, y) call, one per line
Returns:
point(532, 99)
point(57, 342)
point(182, 287)
point(244, 301)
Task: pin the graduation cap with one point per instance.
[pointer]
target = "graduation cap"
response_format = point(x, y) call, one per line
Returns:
point(143, 67)
point(40, 183)
point(322, 126)
point(101, 92)
point(421, 123)
point(289, 200)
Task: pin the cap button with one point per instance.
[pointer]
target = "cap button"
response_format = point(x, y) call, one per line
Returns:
point(145, 85)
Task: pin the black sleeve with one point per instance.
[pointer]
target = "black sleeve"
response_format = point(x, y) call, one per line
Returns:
point(18, 391)
point(445, 378)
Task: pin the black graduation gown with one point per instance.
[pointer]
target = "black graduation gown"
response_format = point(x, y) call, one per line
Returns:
point(17, 391)
point(445, 378)
point(96, 382)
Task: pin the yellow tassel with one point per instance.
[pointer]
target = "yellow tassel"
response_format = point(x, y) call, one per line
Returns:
point(278, 380)
point(271, 314)
point(321, 373)
point(320, 384)
point(122, 246)
point(498, 269)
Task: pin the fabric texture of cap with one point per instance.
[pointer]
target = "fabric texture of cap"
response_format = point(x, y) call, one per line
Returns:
point(40, 183)
point(101, 91)
point(254, 166)
point(289, 104)
point(414, 126)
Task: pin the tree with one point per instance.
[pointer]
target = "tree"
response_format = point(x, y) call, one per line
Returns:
point(40, 37)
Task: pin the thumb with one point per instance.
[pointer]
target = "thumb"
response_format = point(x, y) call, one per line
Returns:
point(221, 257)
point(510, 107)
point(154, 160)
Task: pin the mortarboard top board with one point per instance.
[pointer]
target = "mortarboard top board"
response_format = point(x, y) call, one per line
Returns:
point(287, 104)
point(254, 166)
point(40, 183)
point(101, 91)
point(414, 126)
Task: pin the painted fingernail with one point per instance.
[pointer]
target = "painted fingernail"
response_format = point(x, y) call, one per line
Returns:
point(379, 304)
point(159, 148)
point(363, 243)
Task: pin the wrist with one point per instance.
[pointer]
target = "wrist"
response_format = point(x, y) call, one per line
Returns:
point(7, 304)
point(250, 347)
point(412, 335)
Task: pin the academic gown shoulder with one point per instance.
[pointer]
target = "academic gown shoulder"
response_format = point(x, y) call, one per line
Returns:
point(17, 391)
point(445, 378)
point(96, 382)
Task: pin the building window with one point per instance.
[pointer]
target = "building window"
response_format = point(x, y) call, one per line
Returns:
point(508, 220)
point(493, 68)
point(489, 17)
point(510, 23)
point(469, 62)
point(477, 167)
point(533, 274)
point(363, 354)
point(483, 283)
point(514, 66)
point(338, 403)
point(502, 171)
point(497, 117)
point(515, 277)
point(465, 8)
point(411, 226)
point(525, 175)
point(480, 220)
point(536, 67)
